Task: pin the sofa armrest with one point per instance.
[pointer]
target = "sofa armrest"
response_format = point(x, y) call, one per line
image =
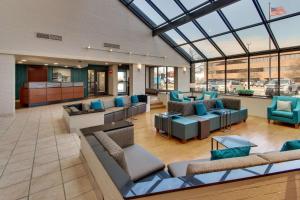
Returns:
point(296, 112)
point(186, 99)
point(271, 108)
point(234, 104)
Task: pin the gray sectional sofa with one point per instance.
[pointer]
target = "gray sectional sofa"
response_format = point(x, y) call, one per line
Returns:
point(83, 118)
point(187, 110)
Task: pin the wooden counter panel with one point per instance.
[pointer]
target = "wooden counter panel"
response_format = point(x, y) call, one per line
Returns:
point(67, 90)
point(37, 92)
point(55, 91)
point(37, 99)
point(78, 92)
point(66, 96)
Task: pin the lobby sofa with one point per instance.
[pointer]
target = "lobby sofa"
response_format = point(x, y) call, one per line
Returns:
point(187, 110)
point(147, 178)
point(212, 94)
point(87, 118)
point(174, 96)
point(292, 117)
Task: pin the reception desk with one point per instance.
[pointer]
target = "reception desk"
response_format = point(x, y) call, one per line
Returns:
point(42, 93)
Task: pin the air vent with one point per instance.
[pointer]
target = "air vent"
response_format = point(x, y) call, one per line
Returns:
point(113, 46)
point(49, 36)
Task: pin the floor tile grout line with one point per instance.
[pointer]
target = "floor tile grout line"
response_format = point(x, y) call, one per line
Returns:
point(63, 184)
point(37, 135)
point(10, 155)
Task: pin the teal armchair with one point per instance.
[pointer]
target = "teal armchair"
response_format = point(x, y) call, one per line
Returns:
point(213, 95)
point(292, 117)
point(174, 97)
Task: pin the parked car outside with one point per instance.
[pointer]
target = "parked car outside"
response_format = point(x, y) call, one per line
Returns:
point(287, 87)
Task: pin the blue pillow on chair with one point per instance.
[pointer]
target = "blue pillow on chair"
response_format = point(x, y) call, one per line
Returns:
point(230, 153)
point(219, 104)
point(291, 145)
point(97, 105)
point(119, 102)
point(200, 109)
point(134, 99)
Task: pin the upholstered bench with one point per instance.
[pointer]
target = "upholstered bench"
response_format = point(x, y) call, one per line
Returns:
point(184, 128)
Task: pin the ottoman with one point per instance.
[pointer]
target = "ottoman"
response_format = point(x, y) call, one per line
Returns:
point(184, 128)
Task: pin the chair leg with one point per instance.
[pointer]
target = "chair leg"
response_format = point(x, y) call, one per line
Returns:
point(296, 125)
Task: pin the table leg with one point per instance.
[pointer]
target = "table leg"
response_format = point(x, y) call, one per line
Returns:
point(217, 145)
point(212, 144)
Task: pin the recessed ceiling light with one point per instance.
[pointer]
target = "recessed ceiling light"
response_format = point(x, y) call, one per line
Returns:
point(110, 50)
point(79, 66)
point(89, 46)
point(55, 63)
point(20, 62)
point(23, 60)
point(106, 63)
point(120, 64)
point(46, 64)
point(66, 65)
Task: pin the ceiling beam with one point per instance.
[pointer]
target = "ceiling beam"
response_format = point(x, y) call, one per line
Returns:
point(194, 15)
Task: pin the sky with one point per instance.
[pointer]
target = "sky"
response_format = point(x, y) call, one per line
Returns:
point(240, 14)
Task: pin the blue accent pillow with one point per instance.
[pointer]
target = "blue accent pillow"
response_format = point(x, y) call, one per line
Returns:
point(200, 109)
point(230, 153)
point(119, 102)
point(97, 105)
point(219, 104)
point(134, 99)
point(291, 145)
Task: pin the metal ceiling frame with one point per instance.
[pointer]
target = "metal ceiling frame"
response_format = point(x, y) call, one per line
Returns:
point(264, 21)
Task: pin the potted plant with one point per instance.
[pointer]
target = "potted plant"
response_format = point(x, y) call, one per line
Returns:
point(245, 92)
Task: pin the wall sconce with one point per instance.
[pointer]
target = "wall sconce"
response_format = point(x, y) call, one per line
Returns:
point(139, 67)
point(184, 69)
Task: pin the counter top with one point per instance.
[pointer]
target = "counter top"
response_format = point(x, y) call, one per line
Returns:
point(33, 85)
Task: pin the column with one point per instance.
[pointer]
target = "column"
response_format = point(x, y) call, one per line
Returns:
point(113, 80)
point(136, 79)
point(7, 85)
point(183, 79)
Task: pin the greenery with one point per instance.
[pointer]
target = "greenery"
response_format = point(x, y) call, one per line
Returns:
point(245, 92)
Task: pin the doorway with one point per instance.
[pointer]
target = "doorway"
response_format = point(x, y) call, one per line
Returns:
point(97, 82)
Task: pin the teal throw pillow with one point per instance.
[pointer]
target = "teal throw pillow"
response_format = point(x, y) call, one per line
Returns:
point(230, 153)
point(97, 105)
point(291, 145)
point(200, 109)
point(219, 104)
point(134, 99)
point(119, 102)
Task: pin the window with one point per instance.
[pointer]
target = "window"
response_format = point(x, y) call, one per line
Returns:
point(122, 82)
point(290, 74)
point(212, 23)
point(288, 6)
point(162, 78)
point(216, 76)
point(207, 49)
point(168, 7)
point(200, 76)
point(190, 51)
point(191, 31)
point(237, 75)
point(190, 4)
point(175, 37)
point(228, 44)
point(264, 75)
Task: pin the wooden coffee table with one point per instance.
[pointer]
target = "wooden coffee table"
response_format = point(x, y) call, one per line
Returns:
point(231, 141)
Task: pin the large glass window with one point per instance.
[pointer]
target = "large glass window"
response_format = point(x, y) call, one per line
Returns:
point(200, 76)
point(212, 23)
point(190, 4)
point(277, 8)
point(207, 49)
point(264, 75)
point(228, 44)
point(216, 76)
point(237, 75)
point(168, 7)
point(122, 81)
point(191, 31)
point(290, 74)
point(190, 51)
point(162, 78)
point(175, 37)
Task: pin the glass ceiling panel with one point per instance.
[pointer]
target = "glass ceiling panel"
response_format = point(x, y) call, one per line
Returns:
point(191, 31)
point(168, 7)
point(190, 51)
point(207, 49)
point(149, 11)
point(175, 37)
point(190, 4)
point(256, 38)
point(212, 23)
point(228, 44)
point(235, 12)
point(287, 32)
point(279, 7)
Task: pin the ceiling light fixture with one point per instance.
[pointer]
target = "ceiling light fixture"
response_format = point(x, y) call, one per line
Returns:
point(55, 63)
point(66, 66)
point(110, 50)
point(20, 62)
point(46, 64)
point(106, 63)
point(89, 46)
point(23, 60)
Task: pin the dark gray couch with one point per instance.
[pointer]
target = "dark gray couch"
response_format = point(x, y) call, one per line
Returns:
point(187, 109)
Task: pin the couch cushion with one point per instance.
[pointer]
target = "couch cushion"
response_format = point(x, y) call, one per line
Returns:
point(291, 145)
point(112, 148)
point(293, 100)
point(219, 104)
point(140, 162)
point(85, 107)
point(282, 114)
point(207, 97)
point(109, 103)
point(177, 169)
point(200, 109)
point(224, 164)
point(229, 153)
point(276, 156)
point(97, 105)
point(134, 99)
point(284, 106)
point(119, 102)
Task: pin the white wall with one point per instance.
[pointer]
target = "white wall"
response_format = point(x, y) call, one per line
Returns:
point(7, 85)
point(80, 22)
point(183, 79)
point(137, 79)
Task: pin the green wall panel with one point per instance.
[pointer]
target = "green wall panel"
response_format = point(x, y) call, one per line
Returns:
point(21, 78)
point(50, 73)
point(81, 75)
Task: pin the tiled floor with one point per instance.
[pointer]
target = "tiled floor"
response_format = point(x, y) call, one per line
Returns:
point(39, 159)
